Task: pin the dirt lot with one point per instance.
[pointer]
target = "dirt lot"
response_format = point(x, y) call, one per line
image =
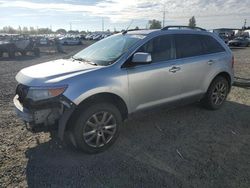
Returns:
point(183, 147)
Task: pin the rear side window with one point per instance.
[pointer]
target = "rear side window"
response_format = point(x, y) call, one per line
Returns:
point(190, 45)
point(211, 45)
point(159, 47)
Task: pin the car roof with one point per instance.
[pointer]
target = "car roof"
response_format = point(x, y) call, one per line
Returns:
point(170, 31)
point(142, 32)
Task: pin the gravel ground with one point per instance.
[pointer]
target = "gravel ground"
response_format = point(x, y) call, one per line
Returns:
point(183, 147)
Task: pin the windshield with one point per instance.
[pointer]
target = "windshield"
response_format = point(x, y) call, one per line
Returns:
point(108, 50)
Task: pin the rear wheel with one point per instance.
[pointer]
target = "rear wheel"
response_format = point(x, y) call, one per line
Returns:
point(97, 127)
point(216, 94)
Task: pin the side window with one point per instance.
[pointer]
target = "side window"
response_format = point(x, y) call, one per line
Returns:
point(188, 45)
point(211, 45)
point(160, 48)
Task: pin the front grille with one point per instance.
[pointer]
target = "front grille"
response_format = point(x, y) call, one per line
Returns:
point(22, 92)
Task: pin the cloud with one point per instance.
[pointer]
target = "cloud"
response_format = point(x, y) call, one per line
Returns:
point(125, 10)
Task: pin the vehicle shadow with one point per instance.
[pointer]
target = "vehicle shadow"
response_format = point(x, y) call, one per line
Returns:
point(183, 147)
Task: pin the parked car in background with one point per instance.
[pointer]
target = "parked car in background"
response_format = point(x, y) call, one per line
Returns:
point(239, 42)
point(248, 38)
point(97, 37)
point(70, 41)
point(224, 37)
point(7, 47)
point(89, 36)
point(43, 41)
point(90, 94)
point(82, 37)
point(18, 44)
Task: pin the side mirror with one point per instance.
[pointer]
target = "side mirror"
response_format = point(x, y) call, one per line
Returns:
point(142, 58)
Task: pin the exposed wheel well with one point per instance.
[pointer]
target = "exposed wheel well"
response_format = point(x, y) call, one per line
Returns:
point(98, 98)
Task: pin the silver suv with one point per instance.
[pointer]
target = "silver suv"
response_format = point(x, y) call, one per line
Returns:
point(89, 95)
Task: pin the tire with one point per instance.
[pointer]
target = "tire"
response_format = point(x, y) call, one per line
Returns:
point(89, 122)
point(37, 52)
point(11, 54)
point(216, 93)
point(24, 53)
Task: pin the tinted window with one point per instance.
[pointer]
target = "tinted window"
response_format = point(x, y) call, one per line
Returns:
point(211, 45)
point(160, 48)
point(188, 45)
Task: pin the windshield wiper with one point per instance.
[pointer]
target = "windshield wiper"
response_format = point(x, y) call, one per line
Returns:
point(85, 61)
point(79, 59)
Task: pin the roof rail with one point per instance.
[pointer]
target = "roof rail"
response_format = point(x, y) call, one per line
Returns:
point(182, 27)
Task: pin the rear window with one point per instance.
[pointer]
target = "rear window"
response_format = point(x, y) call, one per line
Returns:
point(190, 45)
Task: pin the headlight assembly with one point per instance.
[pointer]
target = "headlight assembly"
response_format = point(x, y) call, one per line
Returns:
point(41, 93)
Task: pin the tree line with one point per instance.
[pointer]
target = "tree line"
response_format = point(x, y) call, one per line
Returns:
point(152, 24)
point(33, 31)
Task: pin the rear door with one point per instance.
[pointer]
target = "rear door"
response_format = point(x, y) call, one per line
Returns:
point(195, 62)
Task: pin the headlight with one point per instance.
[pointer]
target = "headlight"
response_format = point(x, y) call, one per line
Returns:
point(41, 93)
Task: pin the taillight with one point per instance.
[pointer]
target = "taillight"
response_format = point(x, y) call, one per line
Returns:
point(233, 62)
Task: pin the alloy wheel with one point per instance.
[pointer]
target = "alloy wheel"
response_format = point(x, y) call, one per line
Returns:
point(219, 93)
point(99, 129)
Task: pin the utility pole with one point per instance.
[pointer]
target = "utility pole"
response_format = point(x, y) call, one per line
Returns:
point(102, 24)
point(70, 26)
point(245, 24)
point(164, 15)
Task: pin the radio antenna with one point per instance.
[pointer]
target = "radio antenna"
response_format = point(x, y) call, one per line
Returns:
point(124, 32)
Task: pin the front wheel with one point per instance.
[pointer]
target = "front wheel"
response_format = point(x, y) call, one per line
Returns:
point(97, 127)
point(216, 94)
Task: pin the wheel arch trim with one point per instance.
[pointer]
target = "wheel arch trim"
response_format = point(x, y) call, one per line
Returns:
point(69, 112)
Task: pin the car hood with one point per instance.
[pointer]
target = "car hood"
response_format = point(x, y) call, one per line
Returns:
point(53, 72)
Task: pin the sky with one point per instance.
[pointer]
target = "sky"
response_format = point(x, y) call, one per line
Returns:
point(119, 14)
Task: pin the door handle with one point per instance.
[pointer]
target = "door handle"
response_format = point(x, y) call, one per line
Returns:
point(210, 62)
point(174, 69)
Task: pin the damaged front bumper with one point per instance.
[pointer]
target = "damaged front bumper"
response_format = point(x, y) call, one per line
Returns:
point(22, 112)
point(45, 115)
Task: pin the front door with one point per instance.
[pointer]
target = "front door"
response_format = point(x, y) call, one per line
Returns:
point(157, 82)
